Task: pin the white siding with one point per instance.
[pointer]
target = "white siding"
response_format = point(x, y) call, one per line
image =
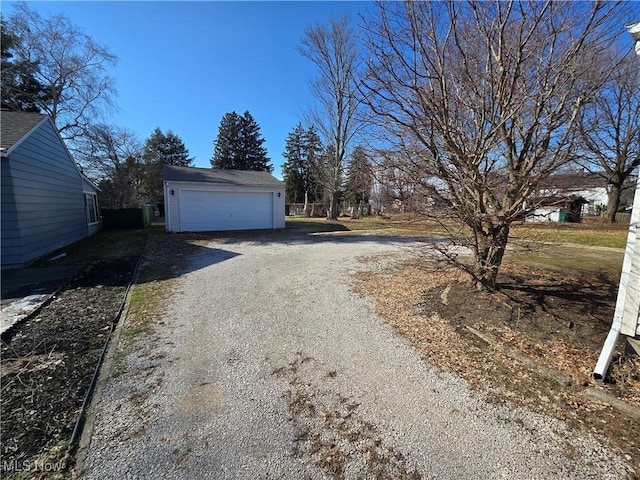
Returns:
point(224, 207)
point(544, 215)
point(278, 209)
point(204, 210)
point(172, 207)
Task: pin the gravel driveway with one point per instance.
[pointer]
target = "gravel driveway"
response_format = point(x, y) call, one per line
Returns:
point(267, 365)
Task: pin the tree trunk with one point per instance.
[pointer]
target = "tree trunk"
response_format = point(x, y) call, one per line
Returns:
point(490, 247)
point(334, 207)
point(306, 203)
point(613, 204)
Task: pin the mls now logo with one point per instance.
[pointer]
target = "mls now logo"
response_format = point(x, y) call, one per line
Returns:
point(31, 466)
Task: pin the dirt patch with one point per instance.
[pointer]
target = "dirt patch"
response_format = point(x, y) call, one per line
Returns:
point(547, 328)
point(47, 364)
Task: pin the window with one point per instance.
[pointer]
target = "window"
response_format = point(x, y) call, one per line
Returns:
point(91, 204)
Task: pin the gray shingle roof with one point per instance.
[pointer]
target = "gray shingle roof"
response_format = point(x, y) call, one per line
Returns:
point(15, 125)
point(577, 180)
point(171, 173)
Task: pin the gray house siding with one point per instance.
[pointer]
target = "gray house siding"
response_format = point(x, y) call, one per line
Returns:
point(47, 198)
point(10, 228)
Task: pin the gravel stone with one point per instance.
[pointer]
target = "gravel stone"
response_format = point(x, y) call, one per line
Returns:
point(268, 365)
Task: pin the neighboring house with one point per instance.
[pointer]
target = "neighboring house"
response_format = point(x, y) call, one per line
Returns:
point(47, 203)
point(590, 187)
point(207, 199)
point(558, 209)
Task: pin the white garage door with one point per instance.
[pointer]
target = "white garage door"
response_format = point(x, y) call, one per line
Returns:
point(202, 211)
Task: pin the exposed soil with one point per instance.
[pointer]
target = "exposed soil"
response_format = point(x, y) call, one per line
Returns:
point(546, 332)
point(560, 320)
point(47, 363)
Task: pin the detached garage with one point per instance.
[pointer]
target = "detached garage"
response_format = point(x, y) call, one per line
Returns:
point(207, 199)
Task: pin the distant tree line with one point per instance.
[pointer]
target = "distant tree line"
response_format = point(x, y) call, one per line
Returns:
point(51, 66)
point(308, 164)
point(469, 105)
point(130, 172)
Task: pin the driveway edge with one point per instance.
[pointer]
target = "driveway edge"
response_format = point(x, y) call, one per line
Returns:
point(103, 377)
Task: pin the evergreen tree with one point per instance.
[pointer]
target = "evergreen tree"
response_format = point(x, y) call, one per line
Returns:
point(166, 149)
point(254, 153)
point(313, 153)
point(226, 154)
point(359, 179)
point(162, 149)
point(293, 169)
point(239, 145)
point(303, 150)
point(20, 89)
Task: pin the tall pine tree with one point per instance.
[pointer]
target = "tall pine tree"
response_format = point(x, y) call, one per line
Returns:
point(162, 149)
point(302, 150)
point(239, 144)
point(314, 151)
point(227, 146)
point(293, 168)
point(359, 179)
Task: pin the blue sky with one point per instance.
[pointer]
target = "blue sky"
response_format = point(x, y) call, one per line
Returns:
point(182, 65)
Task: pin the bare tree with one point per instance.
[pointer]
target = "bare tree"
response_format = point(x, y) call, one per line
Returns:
point(396, 183)
point(69, 65)
point(610, 130)
point(484, 97)
point(112, 156)
point(334, 51)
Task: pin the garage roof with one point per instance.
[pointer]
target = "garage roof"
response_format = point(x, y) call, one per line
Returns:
point(171, 173)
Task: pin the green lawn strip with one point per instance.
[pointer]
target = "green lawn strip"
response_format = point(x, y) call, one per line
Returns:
point(591, 233)
point(567, 259)
point(402, 225)
point(572, 249)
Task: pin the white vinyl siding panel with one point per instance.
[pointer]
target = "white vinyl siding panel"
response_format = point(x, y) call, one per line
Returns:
point(207, 210)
